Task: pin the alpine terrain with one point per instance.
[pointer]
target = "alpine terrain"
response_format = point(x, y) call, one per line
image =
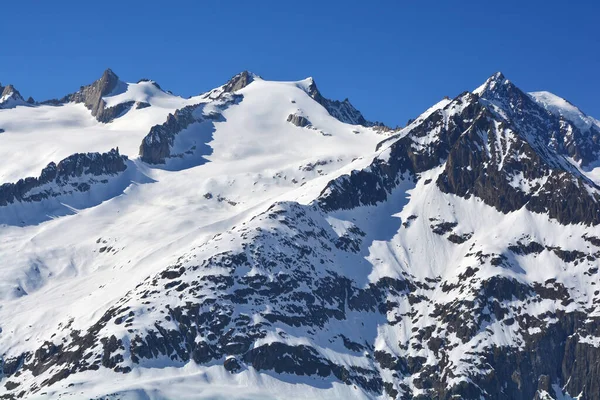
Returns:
point(261, 241)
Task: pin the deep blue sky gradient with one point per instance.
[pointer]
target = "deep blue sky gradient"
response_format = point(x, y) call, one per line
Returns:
point(393, 59)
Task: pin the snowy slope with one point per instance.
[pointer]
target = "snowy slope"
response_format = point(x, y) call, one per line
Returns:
point(561, 107)
point(250, 242)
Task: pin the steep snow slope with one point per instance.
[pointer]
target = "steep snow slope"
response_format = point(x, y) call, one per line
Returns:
point(74, 267)
point(262, 248)
point(561, 107)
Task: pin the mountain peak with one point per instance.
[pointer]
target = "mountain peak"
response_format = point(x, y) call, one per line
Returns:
point(493, 83)
point(91, 95)
point(109, 74)
point(563, 108)
point(342, 110)
point(10, 96)
point(9, 90)
point(239, 81)
point(107, 82)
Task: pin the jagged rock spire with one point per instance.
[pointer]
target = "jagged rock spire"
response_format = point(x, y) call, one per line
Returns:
point(91, 95)
point(342, 110)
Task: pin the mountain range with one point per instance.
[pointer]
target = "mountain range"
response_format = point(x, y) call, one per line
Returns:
point(261, 241)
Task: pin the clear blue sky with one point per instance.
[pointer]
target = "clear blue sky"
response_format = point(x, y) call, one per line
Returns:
point(393, 59)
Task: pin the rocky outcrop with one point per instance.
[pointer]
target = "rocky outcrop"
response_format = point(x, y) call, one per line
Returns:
point(141, 104)
point(91, 96)
point(76, 173)
point(10, 97)
point(298, 120)
point(156, 146)
point(341, 110)
point(238, 82)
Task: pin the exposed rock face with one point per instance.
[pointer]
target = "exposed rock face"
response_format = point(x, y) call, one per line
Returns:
point(142, 104)
point(540, 126)
point(342, 110)
point(64, 178)
point(156, 146)
point(517, 168)
point(298, 120)
point(91, 96)
point(238, 82)
point(10, 97)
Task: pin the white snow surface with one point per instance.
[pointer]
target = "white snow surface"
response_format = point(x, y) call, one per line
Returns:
point(561, 107)
point(54, 272)
point(70, 269)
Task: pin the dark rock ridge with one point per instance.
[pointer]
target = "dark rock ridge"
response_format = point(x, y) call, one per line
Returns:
point(156, 146)
point(341, 110)
point(64, 178)
point(505, 162)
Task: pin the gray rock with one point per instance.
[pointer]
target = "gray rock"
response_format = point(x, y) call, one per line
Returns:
point(341, 110)
point(91, 96)
point(142, 104)
point(10, 93)
point(238, 82)
point(298, 120)
point(156, 146)
point(74, 166)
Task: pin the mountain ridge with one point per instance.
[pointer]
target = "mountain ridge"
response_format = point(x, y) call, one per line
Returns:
point(313, 256)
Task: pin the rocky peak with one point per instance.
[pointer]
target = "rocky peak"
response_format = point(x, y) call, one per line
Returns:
point(107, 82)
point(342, 110)
point(10, 96)
point(91, 96)
point(239, 81)
point(547, 130)
point(498, 89)
point(9, 90)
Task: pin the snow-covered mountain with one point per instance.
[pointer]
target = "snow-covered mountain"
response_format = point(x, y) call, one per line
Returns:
point(262, 241)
